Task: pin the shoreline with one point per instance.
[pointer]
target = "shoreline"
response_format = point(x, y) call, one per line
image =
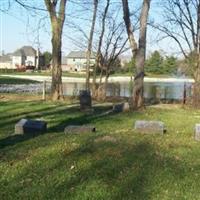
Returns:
point(110, 80)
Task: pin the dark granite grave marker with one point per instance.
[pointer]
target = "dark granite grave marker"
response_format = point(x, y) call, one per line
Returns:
point(26, 126)
point(85, 100)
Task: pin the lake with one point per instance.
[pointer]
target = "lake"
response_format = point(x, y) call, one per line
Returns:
point(155, 89)
point(152, 90)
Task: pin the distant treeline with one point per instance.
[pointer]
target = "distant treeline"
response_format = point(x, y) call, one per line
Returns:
point(157, 64)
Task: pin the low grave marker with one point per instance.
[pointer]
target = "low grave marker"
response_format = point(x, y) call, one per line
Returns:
point(26, 126)
point(150, 127)
point(197, 132)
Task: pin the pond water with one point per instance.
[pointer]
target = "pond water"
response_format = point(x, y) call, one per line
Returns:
point(152, 90)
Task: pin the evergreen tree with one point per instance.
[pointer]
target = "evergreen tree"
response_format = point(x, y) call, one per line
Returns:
point(154, 64)
point(170, 65)
point(47, 58)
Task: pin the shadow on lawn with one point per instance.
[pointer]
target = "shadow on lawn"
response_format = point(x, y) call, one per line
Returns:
point(120, 171)
point(83, 119)
point(131, 175)
point(38, 113)
point(34, 112)
point(78, 120)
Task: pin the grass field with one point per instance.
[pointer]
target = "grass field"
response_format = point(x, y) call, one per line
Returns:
point(82, 75)
point(114, 163)
point(46, 73)
point(13, 81)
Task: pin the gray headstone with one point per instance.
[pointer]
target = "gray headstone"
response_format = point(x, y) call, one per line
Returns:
point(25, 126)
point(150, 127)
point(79, 129)
point(85, 100)
point(197, 132)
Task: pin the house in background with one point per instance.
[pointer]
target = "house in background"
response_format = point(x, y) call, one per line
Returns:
point(76, 61)
point(24, 57)
point(6, 61)
point(124, 59)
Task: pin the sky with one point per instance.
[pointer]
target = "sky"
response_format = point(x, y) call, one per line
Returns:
point(19, 27)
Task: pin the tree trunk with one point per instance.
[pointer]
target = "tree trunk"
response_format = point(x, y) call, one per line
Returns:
point(90, 45)
point(101, 91)
point(56, 86)
point(196, 86)
point(98, 56)
point(101, 76)
point(138, 52)
point(196, 95)
point(138, 84)
point(57, 17)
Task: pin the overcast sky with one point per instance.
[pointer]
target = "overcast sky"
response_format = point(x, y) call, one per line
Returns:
point(19, 27)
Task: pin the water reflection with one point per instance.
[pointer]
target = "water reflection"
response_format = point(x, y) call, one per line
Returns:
point(152, 90)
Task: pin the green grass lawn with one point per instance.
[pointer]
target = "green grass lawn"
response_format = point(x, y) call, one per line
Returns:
point(79, 75)
point(46, 73)
point(13, 81)
point(114, 163)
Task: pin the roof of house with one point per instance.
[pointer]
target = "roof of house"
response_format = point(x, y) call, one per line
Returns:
point(5, 59)
point(79, 54)
point(25, 51)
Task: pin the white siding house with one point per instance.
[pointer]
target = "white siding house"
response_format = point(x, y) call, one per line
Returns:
point(6, 62)
point(23, 57)
point(76, 61)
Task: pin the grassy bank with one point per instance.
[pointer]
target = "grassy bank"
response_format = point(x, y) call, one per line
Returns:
point(114, 163)
point(45, 73)
point(9, 80)
point(82, 75)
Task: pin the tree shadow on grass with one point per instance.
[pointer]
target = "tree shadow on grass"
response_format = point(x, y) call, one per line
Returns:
point(56, 111)
point(132, 175)
point(37, 113)
point(45, 112)
point(120, 171)
point(83, 119)
point(14, 139)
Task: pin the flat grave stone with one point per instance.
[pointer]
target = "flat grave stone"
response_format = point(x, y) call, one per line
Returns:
point(27, 126)
point(150, 127)
point(197, 132)
point(76, 129)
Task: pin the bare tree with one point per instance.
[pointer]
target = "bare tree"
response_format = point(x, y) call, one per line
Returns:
point(56, 10)
point(57, 21)
point(114, 45)
point(182, 24)
point(98, 54)
point(138, 49)
point(95, 2)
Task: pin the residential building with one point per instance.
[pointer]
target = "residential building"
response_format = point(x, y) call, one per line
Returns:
point(6, 62)
point(24, 57)
point(76, 61)
point(124, 59)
